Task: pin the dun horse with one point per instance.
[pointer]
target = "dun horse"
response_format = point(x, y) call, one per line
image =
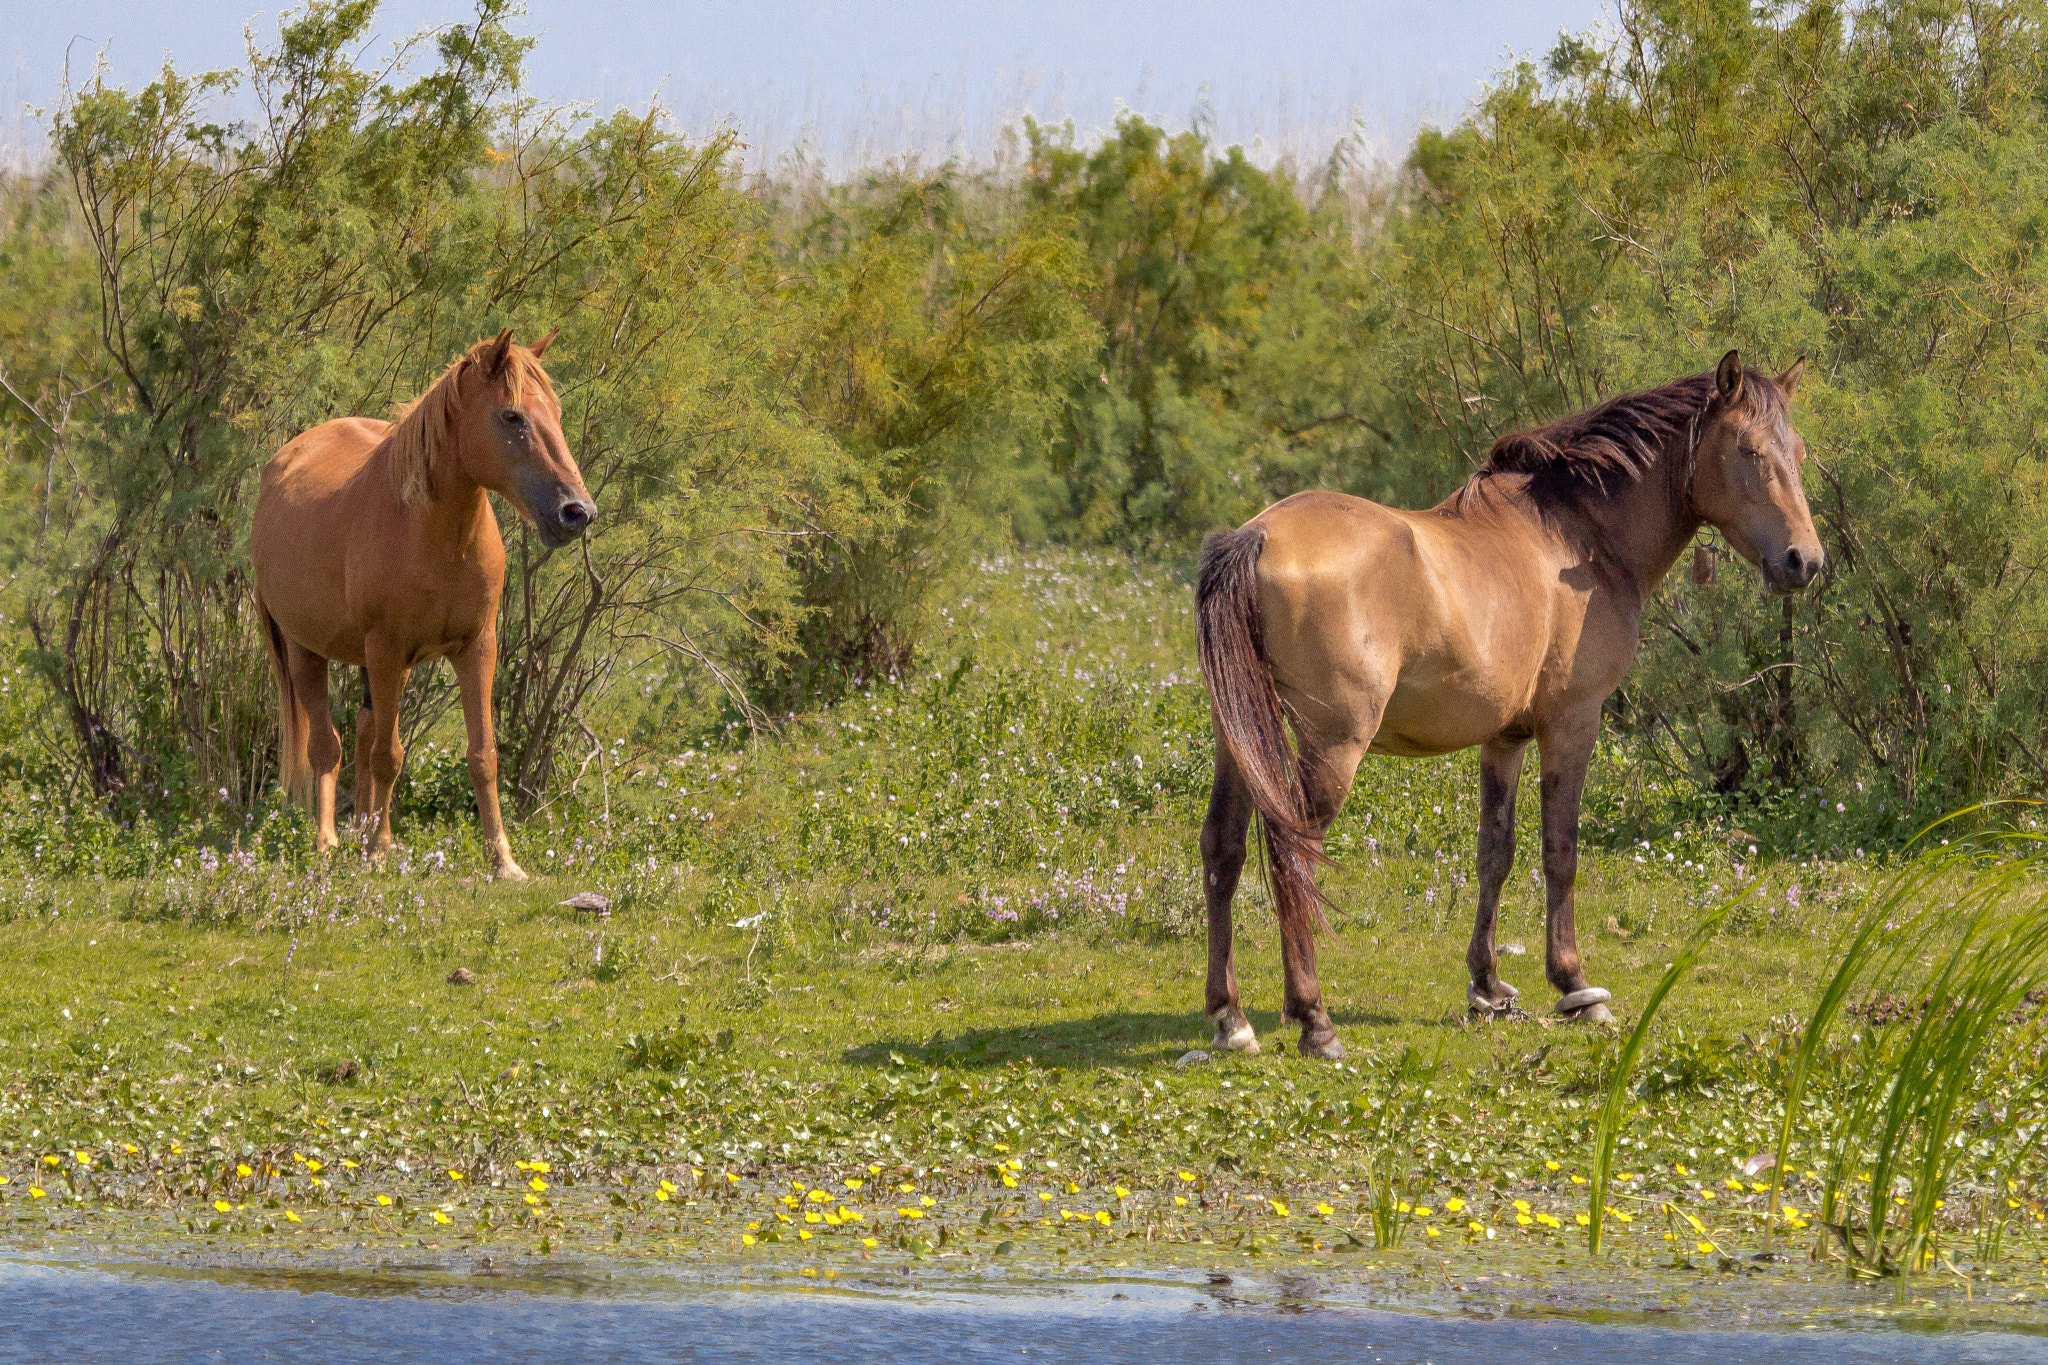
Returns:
point(374, 544)
point(1507, 613)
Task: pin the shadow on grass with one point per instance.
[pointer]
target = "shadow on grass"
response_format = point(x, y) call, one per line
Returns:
point(1121, 1039)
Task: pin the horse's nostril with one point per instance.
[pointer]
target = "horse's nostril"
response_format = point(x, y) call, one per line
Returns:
point(575, 514)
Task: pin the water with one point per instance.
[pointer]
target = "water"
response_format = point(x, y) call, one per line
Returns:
point(80, 1314)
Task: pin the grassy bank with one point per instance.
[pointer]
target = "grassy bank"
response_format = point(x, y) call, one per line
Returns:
point(916, 976)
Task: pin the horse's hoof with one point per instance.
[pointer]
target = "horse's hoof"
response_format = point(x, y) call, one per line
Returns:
point(1587, 1005)
point(1482, 1003)
point(1234, 1035)
point(511, 872)
point(1329, 1049)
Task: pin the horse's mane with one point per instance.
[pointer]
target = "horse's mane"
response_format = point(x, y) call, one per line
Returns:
point(1618, 440)
point(429, 419)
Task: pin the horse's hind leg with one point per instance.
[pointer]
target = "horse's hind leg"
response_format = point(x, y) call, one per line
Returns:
point(323, 741)
point(1328, 778)
point(1500, 772)
point(1223, 846)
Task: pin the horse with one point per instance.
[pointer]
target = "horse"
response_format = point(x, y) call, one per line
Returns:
point(374, 544)
point(1508, 612)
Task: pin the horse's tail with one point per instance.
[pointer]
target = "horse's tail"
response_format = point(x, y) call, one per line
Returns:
point(1250, 723)
point(294, 734)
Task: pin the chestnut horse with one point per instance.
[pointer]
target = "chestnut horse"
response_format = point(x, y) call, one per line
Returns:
point(1509, 612)
point(374, 544)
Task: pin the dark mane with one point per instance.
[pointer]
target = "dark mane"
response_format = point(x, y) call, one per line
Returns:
point(1617, 441)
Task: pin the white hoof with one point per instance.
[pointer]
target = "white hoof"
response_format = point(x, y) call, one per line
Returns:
point(1331, 1051)
point(1482, 1003)
point(1580, 1004)
point(511, 872)
point(1233, 1037)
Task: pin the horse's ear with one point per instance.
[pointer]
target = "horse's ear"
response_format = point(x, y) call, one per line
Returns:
point(496, 354)
point(1728, 377)
point(539, 348)
point(1789, 380)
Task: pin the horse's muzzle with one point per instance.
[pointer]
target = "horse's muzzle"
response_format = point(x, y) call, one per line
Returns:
point(1796, 568)
point(568, 521)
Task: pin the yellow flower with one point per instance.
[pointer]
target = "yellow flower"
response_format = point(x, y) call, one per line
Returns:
point(536, 1184)
point(1705, 1246)
point(540, 1166)
point(314, 1166)
point(440, 1217)
point(813, 1217)
point(223, 1206)
point(1180, 1201)
point(1044, 1197)
point(1757, 1187)
point(1325, 1210)
point(746, 1239)
point(669, 1186)
point(928, 1201)
point(53, 1160)
point(1474, 1227)
point(454, 1175)
point(1422, 1213)
point(133, 1149)
point(1102, 1217)
point(318, 1183)
point(242, 1170)
point(1583, 1219)
point(1431, 1231)
point(1453, 1204)
point(874, 1170)
point(1680, 1168)
point(832, 1219)
point(1001, 1148)
point(533, 1199)
point(384, 1201)
point(1521, 1206)
point(176, 1150)
point(347, 1164)
point(290, 1217)
point(1552, 1166)
point(1578, 1180)
point(1624, 1176)
point(910, 1213)
point(906, 1188)
point(661, 1196)
point(868, 1242)
point(850, 1184)
point(849, 1215)
point(1009, 1181)
point(1733, 1184)
point(1279, 1208)
point(1185, 1175)
point(805, 1236)
point(731, 1177)
point(34, 1193)
point(1523, 1220)
point(1072, 1188)
point(1122, 1193)
point(820, 1197)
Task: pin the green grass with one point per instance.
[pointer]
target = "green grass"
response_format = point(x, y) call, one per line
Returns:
point(944, 935)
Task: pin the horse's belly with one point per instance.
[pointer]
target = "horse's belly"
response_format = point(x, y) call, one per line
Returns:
point(1429, 716)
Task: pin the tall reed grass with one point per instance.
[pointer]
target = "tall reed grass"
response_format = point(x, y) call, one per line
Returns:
point(1942, 971)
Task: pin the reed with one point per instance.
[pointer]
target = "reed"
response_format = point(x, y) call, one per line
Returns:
point(1946, 1060)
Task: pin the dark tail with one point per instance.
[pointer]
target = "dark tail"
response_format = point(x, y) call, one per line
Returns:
point(1251, 723)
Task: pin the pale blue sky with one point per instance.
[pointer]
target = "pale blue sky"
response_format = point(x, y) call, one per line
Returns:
point(864, 81)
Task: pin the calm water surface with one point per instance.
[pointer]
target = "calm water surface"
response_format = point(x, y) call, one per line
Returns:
point(52, 1311)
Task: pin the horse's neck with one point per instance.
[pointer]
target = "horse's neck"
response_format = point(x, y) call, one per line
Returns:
point(460, 506)
point(1645, 528)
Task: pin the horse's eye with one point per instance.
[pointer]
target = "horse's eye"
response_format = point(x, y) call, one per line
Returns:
point(514, 417)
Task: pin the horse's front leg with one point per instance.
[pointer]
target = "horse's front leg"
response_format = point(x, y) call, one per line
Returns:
point(1223, 844)
point(1500, 773)
point(1567, 752)
point(388, 671)
point(473, 670)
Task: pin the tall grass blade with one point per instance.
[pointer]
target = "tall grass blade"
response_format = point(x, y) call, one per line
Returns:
point(1614, 1112)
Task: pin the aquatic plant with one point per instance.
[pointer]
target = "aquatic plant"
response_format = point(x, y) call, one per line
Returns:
point(1942, 971)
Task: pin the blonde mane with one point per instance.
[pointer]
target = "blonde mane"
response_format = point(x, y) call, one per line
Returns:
point(429, 419)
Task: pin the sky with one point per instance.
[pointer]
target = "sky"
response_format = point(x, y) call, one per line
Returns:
point(862, 83)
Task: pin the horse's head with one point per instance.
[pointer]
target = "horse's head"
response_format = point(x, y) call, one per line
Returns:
point(1745, 477)
point(512, 440)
